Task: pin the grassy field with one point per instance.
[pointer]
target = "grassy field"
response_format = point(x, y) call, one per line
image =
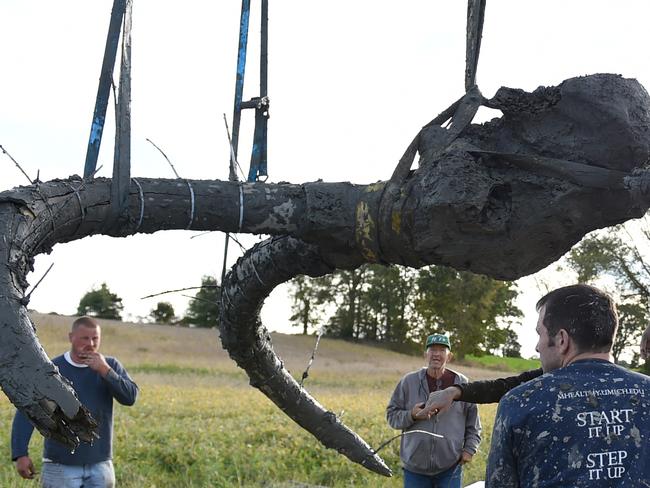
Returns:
point(503, 364)
point(197, 423)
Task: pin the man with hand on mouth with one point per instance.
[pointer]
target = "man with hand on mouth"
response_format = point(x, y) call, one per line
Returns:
point(97, 380)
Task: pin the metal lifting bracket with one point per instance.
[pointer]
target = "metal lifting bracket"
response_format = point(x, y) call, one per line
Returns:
point(258, 165)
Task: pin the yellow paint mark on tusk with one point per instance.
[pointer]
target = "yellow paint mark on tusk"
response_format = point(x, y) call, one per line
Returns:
point(364, 231)
point(396, 222)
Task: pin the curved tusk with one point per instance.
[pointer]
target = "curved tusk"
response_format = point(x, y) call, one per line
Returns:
point(28, 378)
point(244, 289)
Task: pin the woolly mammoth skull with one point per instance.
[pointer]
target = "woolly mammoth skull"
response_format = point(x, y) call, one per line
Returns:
point(504, 198)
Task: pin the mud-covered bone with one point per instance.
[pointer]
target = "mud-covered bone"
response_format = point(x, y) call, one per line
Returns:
point(599, 120)
point(251, 280)
point(505, 198)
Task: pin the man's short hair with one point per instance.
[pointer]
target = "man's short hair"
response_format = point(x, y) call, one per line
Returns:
point(85, 321)
point(587, 314)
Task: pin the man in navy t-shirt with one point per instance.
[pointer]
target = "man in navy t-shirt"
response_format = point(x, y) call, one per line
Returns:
point(97, 380)
point(586, 421)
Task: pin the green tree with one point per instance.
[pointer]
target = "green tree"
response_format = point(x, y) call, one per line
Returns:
point(511, 347)
point(203, 310)
point(473, 309)
point(398, 305)
point(612, 254)
point(348, 288)
point(388, 302)
point(101, 303)
point(371, 302)
point(163, 313)
point(309, 296)
point(632, 321)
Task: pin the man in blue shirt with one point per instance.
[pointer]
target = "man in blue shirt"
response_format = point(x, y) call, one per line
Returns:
point(97, 380)
point(586, 421)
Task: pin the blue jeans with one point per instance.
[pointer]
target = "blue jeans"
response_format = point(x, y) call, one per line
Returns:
point(452, 478)
point(98, 475)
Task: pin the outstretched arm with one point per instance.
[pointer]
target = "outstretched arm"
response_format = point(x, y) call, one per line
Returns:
point(491, 391)
point(488, 391)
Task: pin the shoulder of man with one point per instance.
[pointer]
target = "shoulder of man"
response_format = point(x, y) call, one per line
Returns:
point(462, 379)
point(635, 375)
point(536, 386)
point(413, 375)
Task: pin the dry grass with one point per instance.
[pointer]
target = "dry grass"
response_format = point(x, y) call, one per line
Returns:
point(197, 423)
point(137, 344)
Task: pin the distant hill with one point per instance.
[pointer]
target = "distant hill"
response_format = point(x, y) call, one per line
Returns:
point(198, 351)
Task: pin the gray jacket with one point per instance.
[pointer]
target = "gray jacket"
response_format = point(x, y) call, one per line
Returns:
point(422, 453)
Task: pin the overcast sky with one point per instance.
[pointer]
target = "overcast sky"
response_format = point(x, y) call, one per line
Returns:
point(350, 82)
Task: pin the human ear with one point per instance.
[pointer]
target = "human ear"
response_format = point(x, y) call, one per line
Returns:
point(563, 340)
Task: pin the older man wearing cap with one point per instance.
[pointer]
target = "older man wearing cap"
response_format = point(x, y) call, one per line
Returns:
point(433, 458)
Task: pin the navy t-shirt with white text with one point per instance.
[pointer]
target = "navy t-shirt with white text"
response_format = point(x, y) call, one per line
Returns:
point(586, 424)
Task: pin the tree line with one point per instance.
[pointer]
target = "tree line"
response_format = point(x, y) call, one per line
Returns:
point(400, 306)
point(394, 305)
point(202, 311)
point(612, 259)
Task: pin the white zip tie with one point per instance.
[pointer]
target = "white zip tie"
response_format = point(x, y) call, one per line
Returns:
point(256, 274)
point(189, 185)
point(225, 294)
point(81, 206)
point(241, 207)
point(141, 195)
